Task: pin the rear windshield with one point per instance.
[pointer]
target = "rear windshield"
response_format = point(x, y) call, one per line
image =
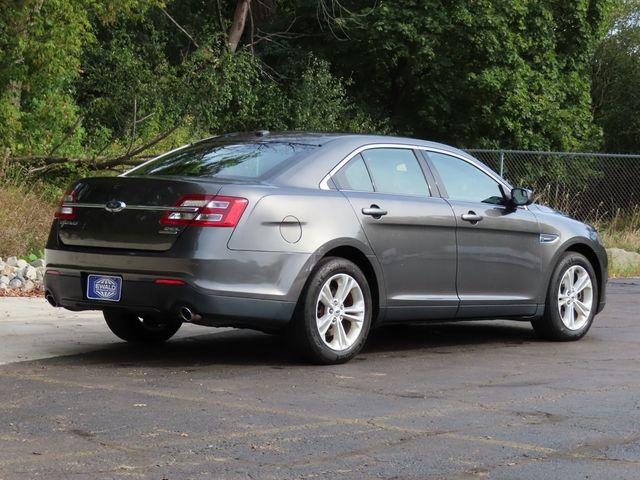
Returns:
point(240, 160)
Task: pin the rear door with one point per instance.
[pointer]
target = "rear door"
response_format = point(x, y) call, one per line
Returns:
point(411, 232)
point(499, 261)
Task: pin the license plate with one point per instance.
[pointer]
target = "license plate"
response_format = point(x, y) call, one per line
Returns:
point(104, 287)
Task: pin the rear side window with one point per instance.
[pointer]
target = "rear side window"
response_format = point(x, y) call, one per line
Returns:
point(217, 160)
point(354, 176)
point(395, 170)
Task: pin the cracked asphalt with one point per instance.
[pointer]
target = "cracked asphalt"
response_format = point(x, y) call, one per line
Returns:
point(459, 401)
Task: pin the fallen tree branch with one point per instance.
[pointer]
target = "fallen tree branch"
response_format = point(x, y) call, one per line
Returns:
point(132, 157)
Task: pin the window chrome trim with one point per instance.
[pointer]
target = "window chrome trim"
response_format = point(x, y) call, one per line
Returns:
point(162, 155)
point(324, 184)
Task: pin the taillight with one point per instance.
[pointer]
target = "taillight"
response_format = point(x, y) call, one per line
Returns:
point(66, 212)
point(206, 211)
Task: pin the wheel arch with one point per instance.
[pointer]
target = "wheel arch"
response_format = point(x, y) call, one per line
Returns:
point(590, 254)
point(362, 256)
point(356, 256)
point(582, 247)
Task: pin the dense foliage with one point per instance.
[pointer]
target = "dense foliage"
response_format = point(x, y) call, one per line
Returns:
point(616, 81)
point(110, 80)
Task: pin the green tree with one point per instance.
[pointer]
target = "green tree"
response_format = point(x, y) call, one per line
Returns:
point(616, 80)
point(41, 44)
point(507, 73)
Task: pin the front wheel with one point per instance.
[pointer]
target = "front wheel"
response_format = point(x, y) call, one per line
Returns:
point(333, 317)
point(571, 300)
point(136, 328)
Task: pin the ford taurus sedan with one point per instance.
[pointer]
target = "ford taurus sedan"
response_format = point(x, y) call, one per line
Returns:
point(322, 237)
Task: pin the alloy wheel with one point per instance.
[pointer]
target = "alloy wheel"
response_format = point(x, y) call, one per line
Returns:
point(340, 312)
point(575, 297)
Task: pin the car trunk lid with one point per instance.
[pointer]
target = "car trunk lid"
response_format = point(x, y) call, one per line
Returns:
point(127, 212)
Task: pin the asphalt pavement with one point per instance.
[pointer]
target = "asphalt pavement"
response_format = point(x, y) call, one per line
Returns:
point(457, 401)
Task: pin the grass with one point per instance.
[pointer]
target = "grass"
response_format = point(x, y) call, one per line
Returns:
point(623, 231)
point(26, 212)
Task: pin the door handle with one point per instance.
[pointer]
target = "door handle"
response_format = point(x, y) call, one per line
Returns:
point(472, 217)
point(375, 211)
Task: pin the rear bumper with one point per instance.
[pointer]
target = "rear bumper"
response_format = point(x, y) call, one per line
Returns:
point(68, 289)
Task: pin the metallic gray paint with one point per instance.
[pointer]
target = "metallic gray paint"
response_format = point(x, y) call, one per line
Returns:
point(428, 263)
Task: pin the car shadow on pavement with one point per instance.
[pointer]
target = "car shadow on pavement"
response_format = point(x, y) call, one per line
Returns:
point(433, 336)
point(247, 347)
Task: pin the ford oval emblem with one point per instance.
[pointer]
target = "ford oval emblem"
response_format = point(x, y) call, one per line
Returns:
point(115, 206)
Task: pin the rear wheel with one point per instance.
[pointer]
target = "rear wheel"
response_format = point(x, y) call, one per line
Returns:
point(333, 317)
point(571, 300)
point(133, 327)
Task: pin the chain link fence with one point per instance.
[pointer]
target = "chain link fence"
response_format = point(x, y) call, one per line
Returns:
point(593, 187)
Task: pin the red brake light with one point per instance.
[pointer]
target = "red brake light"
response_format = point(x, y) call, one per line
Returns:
point(67, 212)
point(206, 211)
point(169, 281)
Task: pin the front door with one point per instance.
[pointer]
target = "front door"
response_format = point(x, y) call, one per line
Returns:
point(499, 261)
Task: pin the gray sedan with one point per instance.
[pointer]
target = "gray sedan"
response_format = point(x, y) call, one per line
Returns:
point(321, 237)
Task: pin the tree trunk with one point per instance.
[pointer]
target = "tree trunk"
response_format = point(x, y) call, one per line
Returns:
point(237, 27)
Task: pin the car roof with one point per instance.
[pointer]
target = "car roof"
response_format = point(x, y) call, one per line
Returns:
point(323, 138)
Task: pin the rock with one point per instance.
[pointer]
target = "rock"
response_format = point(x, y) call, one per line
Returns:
point(8, 270)
point(17, 274)
point(29, 272)
point(622, 259)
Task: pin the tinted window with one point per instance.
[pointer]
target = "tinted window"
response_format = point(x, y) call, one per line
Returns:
point(465, 182)
point(354, 176)
point(240, 160)
point(395, 170)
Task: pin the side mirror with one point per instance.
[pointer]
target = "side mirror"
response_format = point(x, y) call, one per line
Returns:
point(521, 197)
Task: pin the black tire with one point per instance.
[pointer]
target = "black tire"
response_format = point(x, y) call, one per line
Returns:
point(304, 332)
point(551, 326)
point(136, 328)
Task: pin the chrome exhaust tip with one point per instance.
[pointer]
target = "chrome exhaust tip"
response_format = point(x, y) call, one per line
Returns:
point(187, 315)
point(51, 299)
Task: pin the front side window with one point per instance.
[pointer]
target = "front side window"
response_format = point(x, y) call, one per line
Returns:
point(395, 170)
point(464, 181)
point(224, 160)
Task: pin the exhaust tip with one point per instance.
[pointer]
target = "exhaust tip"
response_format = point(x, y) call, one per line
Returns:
point(187, 315)
point(51, 299)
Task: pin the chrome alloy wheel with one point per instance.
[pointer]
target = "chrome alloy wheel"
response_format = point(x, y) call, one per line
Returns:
point(575, 297)
point(340, 312)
